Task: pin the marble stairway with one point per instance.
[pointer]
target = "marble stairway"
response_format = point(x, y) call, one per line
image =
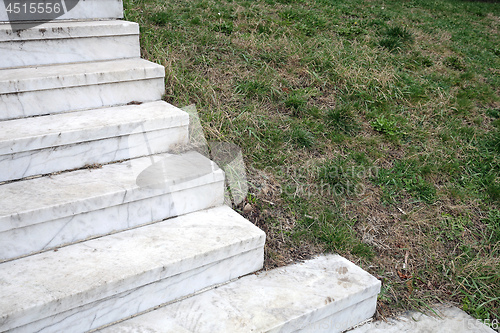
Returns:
point(106, 214)
point(103, 212)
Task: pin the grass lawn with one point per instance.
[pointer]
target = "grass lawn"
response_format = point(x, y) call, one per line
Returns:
point(369, 128)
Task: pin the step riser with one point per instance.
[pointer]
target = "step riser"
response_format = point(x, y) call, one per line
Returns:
point(86, 9)
point(61, 51)
point(94, 315)
point(44, 161)
point(342, 320)
point(45, 236)
point(33, 103)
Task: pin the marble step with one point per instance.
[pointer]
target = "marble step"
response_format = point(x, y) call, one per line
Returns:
point(325, 294)
point(68, 42)
point(86, 285)
point(47, 212)
point(31, 91)
point(78, 9)
point(46, 144)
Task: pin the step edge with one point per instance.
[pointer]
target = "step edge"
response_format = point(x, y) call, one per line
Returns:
point(141, 70)
point(148, 114)
point(87, 140)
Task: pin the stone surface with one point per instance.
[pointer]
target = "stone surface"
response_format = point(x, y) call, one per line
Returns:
point(327, 294)
point(86, 9)
point(46, 144)
point(68, 42)
point(47, 212)
point(446, 319)
point(85, 285)
point(31, 91)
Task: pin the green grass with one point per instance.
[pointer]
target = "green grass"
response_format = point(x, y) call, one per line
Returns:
point(371, 129)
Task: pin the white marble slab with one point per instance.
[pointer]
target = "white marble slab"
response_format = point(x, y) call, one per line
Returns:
point(43, 102)
point(59, 232)
point(86, 9)
point(31, 91)
point(22, 135)
point(326, 294)
point(85, 285)
point(42, 145)
point(60, 51)
point(70, 29)
point(59, 200)
point(74, 75)
point(63, 158)
point(68, 42)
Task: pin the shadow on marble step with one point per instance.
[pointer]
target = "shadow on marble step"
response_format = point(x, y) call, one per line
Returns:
point(48, 212)
point(47, 144)
point(31, 91)
point(68, 42)
point(325, 294)
point(84, 9)
point(86, 285)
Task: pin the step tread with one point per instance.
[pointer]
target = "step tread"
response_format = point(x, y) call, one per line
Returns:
point(69, 29)
point(24, 79)
point(33, 201)
point(38, 286)
point(67, 128)
point(286, 299)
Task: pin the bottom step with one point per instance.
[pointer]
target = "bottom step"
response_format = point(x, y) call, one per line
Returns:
point(326, 294)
